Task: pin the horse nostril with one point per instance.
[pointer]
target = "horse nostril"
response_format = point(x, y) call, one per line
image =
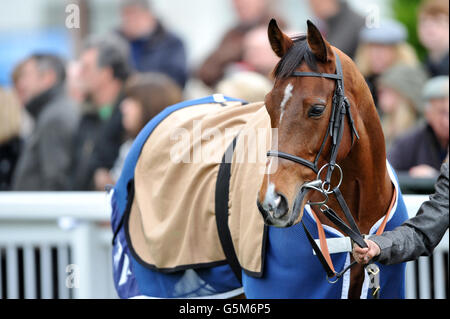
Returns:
point(281, 208)
point(277, 201)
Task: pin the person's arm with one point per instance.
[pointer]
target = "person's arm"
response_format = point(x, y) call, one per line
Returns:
point(417, 236)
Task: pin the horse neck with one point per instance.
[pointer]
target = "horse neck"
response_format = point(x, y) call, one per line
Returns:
point(366, 184)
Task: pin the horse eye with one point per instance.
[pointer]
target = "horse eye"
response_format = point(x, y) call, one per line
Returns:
point(316, 110)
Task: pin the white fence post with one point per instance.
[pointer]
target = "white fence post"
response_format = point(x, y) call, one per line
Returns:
point(12, 266)
point(92, 261)
point(83, 255)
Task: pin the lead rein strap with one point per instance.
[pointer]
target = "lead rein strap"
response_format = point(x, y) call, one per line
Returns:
point(329, 269)
point(354, 235)
point(346, 210)
point(352, 231)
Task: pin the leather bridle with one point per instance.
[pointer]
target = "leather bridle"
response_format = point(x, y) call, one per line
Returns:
point(340, 110)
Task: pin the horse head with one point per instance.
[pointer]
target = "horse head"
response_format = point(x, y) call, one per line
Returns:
point(302, 108)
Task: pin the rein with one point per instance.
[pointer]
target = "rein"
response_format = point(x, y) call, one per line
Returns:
point(340, 110)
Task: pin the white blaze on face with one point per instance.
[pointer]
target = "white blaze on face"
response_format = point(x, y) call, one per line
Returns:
point(272, 199)
point(269, 171)
point(286, 97)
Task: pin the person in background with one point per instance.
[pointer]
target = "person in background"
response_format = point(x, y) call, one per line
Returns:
point(73, 83)
point(258, 55)
point(400, 100)
point(381, 48)
point(103, 72)
point(10, 139)
point(248, 86)
point(44, 163)
point(433, 32)
point(152, 46)
point(338, 23)
point(146, 95)
point(27, 121)
point(417, 236)
point(251, 13)
point(421, 151)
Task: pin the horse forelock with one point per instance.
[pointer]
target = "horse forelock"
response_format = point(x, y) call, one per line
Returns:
point(298, 53)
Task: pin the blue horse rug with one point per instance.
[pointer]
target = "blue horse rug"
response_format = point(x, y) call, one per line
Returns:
point(167, 246)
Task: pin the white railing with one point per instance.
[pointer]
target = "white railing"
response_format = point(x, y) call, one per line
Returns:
point(55, 244)
point(58, 245)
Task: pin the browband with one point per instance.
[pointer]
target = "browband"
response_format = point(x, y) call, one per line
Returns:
point(316, 74)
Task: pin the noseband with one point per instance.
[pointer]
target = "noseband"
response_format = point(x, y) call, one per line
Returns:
point(340, 110)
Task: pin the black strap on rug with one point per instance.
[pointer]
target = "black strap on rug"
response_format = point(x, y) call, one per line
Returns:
point(130, 197)
point(221, 208)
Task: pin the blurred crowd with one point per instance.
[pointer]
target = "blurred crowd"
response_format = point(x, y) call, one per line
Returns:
point(68, 125)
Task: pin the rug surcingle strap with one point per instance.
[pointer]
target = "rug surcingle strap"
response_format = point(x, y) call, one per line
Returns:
point(221, 209)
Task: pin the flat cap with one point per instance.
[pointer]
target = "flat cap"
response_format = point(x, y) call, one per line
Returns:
point(436, 88)
point(388, 32)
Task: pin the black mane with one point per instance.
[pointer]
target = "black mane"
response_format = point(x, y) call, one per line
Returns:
point(298, 53)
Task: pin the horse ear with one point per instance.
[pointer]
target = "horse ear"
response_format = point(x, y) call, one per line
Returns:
point(316, 42)
point(279, 41)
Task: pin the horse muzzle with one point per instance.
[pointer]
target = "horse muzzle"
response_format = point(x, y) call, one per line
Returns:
point(275, 211)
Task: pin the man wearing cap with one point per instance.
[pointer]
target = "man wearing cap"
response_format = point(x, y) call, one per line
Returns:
point(422, 151)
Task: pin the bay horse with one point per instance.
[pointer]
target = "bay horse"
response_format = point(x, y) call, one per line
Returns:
point(193, 228)
point(303, 121)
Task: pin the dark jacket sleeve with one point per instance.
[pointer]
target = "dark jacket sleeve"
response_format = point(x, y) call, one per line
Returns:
point(175, 64)
point(55, 154)
point(419, 235)
point(402, 151)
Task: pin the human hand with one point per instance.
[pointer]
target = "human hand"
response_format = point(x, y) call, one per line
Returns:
point(364, 255)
